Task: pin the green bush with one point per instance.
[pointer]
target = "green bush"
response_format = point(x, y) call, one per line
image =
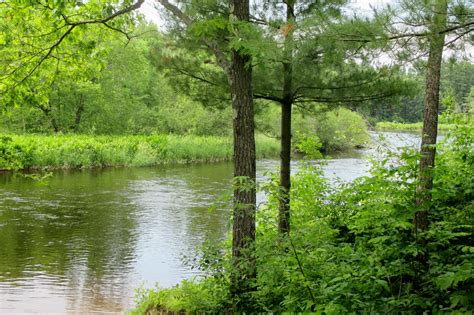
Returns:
point(12, 155)
point(337, 130)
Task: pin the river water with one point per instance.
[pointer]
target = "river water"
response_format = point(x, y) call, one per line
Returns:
point(81, 242)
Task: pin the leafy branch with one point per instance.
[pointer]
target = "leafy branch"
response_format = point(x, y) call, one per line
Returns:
point(72, 25)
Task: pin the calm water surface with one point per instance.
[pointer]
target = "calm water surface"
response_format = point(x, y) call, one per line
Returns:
point(83, 241)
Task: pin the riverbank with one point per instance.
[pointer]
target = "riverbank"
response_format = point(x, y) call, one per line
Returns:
point(352, 246)
point(412, 127)
point(82, 151)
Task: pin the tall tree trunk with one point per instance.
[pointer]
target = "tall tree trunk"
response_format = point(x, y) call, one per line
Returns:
point(430, 115)
point(239, 74)
point(286, 108)
point(243, 277)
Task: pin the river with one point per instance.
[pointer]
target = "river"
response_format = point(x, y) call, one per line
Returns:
point(81, 242)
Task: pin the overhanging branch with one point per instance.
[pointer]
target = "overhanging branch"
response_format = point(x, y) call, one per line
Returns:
point(72, 25)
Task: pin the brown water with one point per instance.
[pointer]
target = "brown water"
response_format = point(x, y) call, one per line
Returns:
point(83, 241)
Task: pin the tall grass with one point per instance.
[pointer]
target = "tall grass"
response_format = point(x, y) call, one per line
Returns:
point(81, 151)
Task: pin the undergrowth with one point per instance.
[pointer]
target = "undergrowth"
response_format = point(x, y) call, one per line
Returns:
point(352, 247)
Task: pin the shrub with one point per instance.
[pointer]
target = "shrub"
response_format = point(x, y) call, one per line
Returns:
point(337, 130)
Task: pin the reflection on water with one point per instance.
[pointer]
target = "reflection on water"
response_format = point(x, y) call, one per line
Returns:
point(86, 239)
point(83, 242)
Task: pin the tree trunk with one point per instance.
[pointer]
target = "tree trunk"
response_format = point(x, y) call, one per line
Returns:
point(240, 76)
point(55, 125)
point(78, 116)
point(285, 169)
point(47, 112)
point(430, 115)
point(286, 108)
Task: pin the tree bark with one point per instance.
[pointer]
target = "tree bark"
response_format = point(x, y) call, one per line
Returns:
point(286, 108)
point(243, 241)
point(430, 115)
point(78, 116)
point(239, 73)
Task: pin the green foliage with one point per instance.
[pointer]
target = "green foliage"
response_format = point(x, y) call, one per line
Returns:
point(12, 156)
point(454, 112)
point(40, 42)
point(352, 248)
point(189, 117)
point(78, 151)
point(456, 82)
point(190, 295)
point(338, 129)
point(128, 94)
point(309, 146)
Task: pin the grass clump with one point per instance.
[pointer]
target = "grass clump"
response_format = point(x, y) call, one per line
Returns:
point(81, 151)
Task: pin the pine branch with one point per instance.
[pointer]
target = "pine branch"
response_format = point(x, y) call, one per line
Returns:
point(352, 99)
point(218, 53)
point(411, 35)
point(342, 87)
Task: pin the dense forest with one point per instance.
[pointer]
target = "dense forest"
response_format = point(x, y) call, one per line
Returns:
point(93, 84)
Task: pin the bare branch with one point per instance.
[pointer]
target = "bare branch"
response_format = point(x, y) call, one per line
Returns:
point(110, 17)
point(118, 30)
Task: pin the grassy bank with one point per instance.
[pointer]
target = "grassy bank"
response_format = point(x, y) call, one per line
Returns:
point(81, 151)
point(413, 127)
